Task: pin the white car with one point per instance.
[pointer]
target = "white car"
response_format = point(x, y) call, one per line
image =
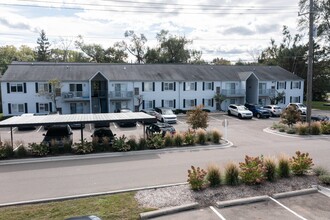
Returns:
point(275, 110)
point(240, 111)
point(299, 107)
point(165, 115)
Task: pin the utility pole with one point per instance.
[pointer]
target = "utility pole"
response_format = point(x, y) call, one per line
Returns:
point(310, 63)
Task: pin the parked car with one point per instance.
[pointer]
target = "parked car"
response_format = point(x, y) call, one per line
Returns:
point(58, 135)
point(26, 127)
point(149, 111)
point(299, 107)
point(102, 124)
point(100, 133)
point(165, 115)
point(159, 128)
point(274, 110)
point(125, 123)
point(258, 111)
point(240, 111)
point(315, 118)
point(77, 126)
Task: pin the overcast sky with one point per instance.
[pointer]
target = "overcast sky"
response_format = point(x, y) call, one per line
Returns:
point(230, 29)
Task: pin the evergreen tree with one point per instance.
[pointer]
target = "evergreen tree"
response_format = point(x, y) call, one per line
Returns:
point(43, 52)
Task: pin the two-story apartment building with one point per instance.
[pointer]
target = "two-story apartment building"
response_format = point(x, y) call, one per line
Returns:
point(100, 88)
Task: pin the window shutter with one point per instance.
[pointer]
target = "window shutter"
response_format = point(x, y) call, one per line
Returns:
point(37, 107)
point(153, 103)
point(184, 103)
point(299, 99)
point(9, 108)
point(26, 107)
point(174, 85)
point(153, 86)
point(162, 86)
point(51, 107)
point(162, 103)
point(212, 102)
point(195, 102)
point(299, 85)
point(277, 85)
point(174, 103)
point(143, 103)
point(203, 86)
point(291, 84)
point(24, 87)
point(195, 86)
point(285, 85)
point(8, 88)
point(49, 87)
point(184, 86)
point(37, 89)
point(203, 101)
point(290, 98)
point(143, 87)
point(212, 85)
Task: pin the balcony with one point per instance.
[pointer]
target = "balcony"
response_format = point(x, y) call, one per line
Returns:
point(266, 92)
point(75, 96)
point(233, 92)
point(99, 93)
point(121, 95)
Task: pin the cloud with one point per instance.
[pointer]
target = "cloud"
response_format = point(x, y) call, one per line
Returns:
point(17, 25)
point(268, 28)
point(239, 30)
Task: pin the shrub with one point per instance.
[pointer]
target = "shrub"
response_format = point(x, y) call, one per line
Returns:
point(291, 130)
point(39, 150)
point(213, 175)
point(120, 144)
point(252, 170)
point(201, 136)
point(132, 143)
point(290, 116)
point(178, 139)
point(231, 174)
point(101, 145)
point(216, 136)
point(21, 152)
point(325, 127)
point(143, 144)
point(315, 128)
point(283, 167)
point(196, 178)
point(189, 137)
point(270, 165)
point(6, 150)
point(83, 147)
point(319, 171)
point(168, 140)
point(325, 179)
point(155, 141)
point(302, 128)
point(197, 118)
point(300, 163)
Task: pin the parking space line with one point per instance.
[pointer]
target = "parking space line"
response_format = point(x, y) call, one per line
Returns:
point(217, 213)
point(214, 118)
point(114, 124)
point(138, 124)
point(180, 122)
point(39, 129)
point(290, 210)
point(14, 129)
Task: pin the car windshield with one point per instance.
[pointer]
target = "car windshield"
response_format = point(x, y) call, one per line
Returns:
point(167, 112)
point(125, 110)
point(102, 133)
point(241, 108)
point(277, 107)
point(301, 106)
point(54, 131)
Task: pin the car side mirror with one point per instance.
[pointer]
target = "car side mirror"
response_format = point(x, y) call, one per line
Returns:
point(44, 134)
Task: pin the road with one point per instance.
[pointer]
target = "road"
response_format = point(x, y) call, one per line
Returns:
point(23, 182)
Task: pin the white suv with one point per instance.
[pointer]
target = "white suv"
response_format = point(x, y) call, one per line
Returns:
point(165, 115)
point(240, 111)
point(299, 107)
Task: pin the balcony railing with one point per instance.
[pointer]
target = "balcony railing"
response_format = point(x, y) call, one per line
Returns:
point(233, 92)
point(266, 92)
point(75, 95)
point(121, 95)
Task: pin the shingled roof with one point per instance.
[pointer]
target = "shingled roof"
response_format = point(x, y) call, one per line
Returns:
point(41, 71)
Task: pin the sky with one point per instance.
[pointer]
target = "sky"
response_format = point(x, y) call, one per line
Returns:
point(229, 29)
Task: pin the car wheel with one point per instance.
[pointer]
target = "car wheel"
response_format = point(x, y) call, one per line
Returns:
point(239, 116)
point(229, 112)
point(258, 115)
point(162, 120)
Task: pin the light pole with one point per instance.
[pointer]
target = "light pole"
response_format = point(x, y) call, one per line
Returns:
point(310, 63)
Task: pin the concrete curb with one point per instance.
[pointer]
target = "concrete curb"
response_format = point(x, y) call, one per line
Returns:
point(294, 193)
point(167, 211)
point(243, 201)
point(323, 190)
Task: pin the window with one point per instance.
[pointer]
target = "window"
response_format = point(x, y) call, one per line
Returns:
point(169, 103)
point(17, 108)
point(190, 103)
point(76, 89)
point(208, 86)
point(168, 86)
point(43, 107)
point(76, 108)
point(43, 87)
point(295, 85)
point(232, 101)
point(282, 101)
point(16, 87)
point(148, 104)
point(190, 86)
point(208, 102)
point(230, 87)
point(136, 91)
point(281, 85)
point(148, 86)
point(295, 99)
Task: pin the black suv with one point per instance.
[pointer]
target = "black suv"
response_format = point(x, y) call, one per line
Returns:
point(58, 135)
point(258, 111)
point(159, 128)
point(100, 134)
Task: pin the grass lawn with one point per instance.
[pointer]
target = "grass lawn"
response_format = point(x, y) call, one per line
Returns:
point(118, 206)
point(319, 105)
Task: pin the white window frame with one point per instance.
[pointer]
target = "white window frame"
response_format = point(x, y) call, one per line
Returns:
point(295, 99)
point(282, 101)
point(169, 103)
point(207, 102)
point(43, 107)
point(17, 86)
point(168, 86)
point(43, 87)
point(295, 85)
point(281, 85)
point(148, 86)
point(190, 86)
point(15, 108)
point(148, 104)
point(190, 103)
point(208, 86)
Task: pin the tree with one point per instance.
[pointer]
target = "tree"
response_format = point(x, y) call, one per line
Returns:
point(220, 61)
point(290, 116)
point(197, 118)
point(137, 46)
point(52, 93)
point(278, 96)
point(219, 98)
point(43, 50)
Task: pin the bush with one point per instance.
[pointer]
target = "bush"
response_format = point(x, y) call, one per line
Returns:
point(291, 130)
point(178, 139)
point(231, 174)
point(201, 136)
point(315, 128)
point(290, 116)
point(283, 167)
point(302, 128)
point(21, 152)
point(143, 144)
point(168, 140)
point(6, 151)
point(270, 165)
point(189, 137)
point(39, 150)
point(325, 179)
point(197, 118)
point(213, 175)
point(301, 163)
point(83, 147)
point(132, 143)
point(325, 127)
point(252, 170)
point(155, 141)
point(120, 144)
point(101, 146)
point(319, 171)
point(196, 178)
point(216, 136)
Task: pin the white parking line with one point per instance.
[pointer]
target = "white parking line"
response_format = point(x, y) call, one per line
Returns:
point(180, 122)
point(217, 213)
point(138, 124)
point(14, 129)
point(214, 118)
point(293, 212)
point(114, 124)
point(39, 129)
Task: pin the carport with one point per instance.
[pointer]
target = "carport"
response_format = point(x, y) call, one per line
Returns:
point(37, 120)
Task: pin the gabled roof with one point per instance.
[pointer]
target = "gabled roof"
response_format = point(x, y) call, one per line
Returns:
point(23, 71)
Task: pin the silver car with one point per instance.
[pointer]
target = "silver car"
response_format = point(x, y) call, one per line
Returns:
point(240, 111)
point(275, 110)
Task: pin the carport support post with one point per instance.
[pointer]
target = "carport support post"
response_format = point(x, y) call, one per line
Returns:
point(144, 130)
point(81, 134)
point(11, 137)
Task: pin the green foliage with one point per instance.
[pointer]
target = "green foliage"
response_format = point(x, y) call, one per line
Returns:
point(43, 47)
point(21, 152)
point(325, 127)
point(143, 144)
point(270, 166)
point(283, 167)
point(133, 143)
point(197, 118)
point(156, 141)
point(120, 144)
point(302, 128)
point(290, 116)
point(219, 98)
point(216, 136)
point(300, 163)
point(39, 150)
point(213, 175)
point(84, 147)
point(178, 139)
point(196, 178)
point(168, 140)
point(315, 128)
point(6, 150)
point(189, 137)
point(231, 174)
point(319, 171)
point(325, 179)
point(291, 130)
point(252, 170)
point(102, 145)
point(201, 136)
